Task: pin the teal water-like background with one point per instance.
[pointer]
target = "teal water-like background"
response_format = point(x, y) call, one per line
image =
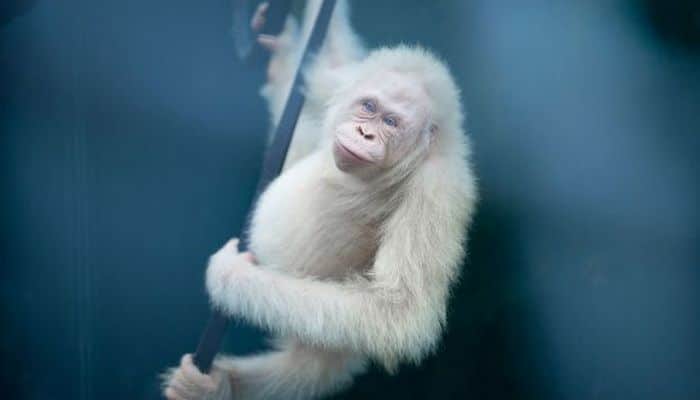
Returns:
point(131, 138)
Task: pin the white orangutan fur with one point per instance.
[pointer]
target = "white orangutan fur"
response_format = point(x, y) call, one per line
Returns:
point(347, 268)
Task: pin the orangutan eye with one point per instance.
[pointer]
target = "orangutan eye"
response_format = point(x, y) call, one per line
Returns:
point(391, 121)
point(369, 106)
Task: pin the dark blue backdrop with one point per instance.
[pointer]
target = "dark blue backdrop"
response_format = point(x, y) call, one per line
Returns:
point(131, 139)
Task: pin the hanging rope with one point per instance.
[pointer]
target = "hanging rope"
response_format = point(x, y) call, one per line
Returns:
point(213, 334)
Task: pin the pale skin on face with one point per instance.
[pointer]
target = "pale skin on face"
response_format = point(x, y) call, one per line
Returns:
point(382, 122)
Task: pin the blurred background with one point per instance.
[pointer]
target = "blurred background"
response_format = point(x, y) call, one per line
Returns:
point(131, 139)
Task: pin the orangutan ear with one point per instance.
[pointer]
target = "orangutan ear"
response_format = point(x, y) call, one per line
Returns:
point(433, 132)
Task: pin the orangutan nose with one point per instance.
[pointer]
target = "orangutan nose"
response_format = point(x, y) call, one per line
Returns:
point(367, 136)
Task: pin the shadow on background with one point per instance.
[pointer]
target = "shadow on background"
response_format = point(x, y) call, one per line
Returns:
point(130, 140)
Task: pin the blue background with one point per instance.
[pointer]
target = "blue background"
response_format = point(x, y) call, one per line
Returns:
point(131, 137)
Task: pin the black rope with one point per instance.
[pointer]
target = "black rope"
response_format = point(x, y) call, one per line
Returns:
point(213, 334)
point(244, 37)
